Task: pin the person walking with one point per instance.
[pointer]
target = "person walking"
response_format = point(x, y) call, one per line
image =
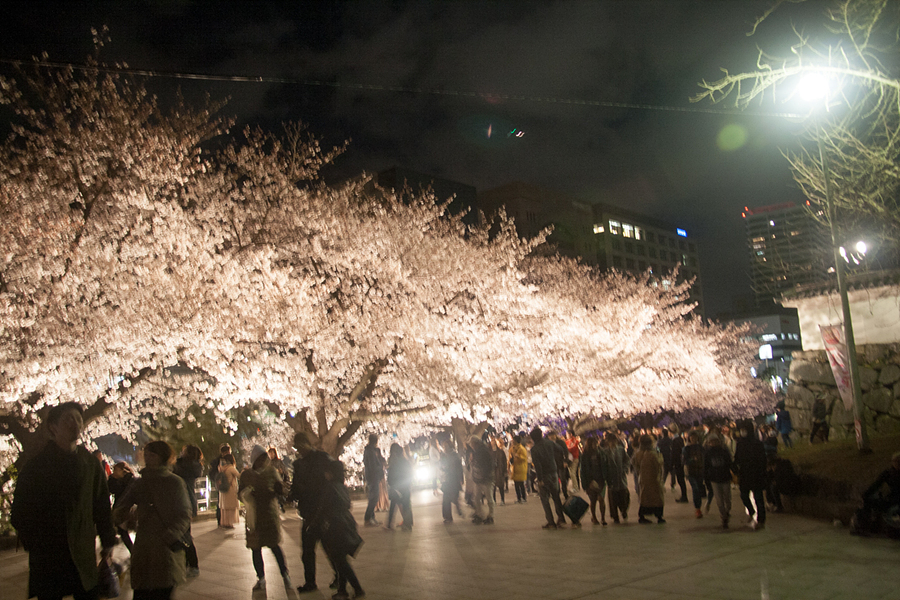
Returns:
point(60, 506)
point(451, 477)
point(373, 474)
point(561, 453)
point(340, 537)
point(692, 458)
point(750, 467)
point(227, 482)
point(648, 464)
point(783, 423)
point(119, 482)
point(224, 450)
point(483, 478)
point(820, 419)
point(619, 465)
point(594, 466)
point(307, 487)
point(543, 455)
point(664, 445)
point(260, 487)
point(519, 468)
point(717, 471)
point(573, 445)
point(189, 467)
point(501, 469)
point(163, 525)
point(678, 467)
point(399, 479)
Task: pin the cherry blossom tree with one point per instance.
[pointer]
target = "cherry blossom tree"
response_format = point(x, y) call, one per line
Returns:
point(143, 275)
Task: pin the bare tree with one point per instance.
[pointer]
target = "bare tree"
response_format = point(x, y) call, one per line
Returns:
point(856, 49)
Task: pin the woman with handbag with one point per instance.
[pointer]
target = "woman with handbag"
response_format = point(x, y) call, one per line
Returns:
point(121, 479)
point(260, 488)
point(340, 536)
point(163, 520)
point(227, 483)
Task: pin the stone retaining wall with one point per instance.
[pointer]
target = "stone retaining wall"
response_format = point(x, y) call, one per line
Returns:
point(879, 373)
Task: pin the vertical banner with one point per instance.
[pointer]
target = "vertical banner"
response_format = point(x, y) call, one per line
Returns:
point(833, 336)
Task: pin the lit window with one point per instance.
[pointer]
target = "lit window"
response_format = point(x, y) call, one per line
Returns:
point(615, 227)
point(627, 230)
point(638, 233)
point(793, 233)
point(681, 232)
point(759, 239)
point(598, 228)
point(772, 223)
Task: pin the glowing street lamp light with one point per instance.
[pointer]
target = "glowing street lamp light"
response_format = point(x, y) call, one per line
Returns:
point(814, 86)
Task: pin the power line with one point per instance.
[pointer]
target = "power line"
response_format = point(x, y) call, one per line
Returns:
point(394, 89)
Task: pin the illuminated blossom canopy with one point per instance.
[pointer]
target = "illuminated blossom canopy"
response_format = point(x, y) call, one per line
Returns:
point(142, 273)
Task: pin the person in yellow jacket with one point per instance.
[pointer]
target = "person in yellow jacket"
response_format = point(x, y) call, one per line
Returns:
point(520, 467)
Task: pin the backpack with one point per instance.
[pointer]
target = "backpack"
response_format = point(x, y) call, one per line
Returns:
point(223, 483)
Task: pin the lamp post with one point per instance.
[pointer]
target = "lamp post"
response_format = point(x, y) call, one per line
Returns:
point(862, 434)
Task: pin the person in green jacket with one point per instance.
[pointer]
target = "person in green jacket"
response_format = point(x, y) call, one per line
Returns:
point(61, 505)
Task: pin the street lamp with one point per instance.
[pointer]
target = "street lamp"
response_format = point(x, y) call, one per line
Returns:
point(814, 86)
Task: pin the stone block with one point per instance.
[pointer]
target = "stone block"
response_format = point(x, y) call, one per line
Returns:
point(886, 424)
point(801, 420)
point(873, 353)
point(879, 399)
point(811, 372)
point(798, 396)
point(889, 375)
point(868, 378)
point(840, 415)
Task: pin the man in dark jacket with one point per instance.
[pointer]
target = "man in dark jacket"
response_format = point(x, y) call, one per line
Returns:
point(750, 467)
point(188, 467)
point(61, 504)
point(543, 455)
point(483, 478)
point(678, 467)
point(561, 453)
point(307, 490)
point(692, 458)
point(224, 450)
point(819, 416)
point(451, 476)
point(373, 471)
point(717, 467)
point(664, 445)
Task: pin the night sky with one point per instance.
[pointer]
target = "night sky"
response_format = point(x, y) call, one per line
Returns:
point(421, 85)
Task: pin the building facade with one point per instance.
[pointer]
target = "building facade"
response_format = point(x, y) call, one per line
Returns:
point(601, 235)
point(789, 249)
point(629, 241)
point(534, 208)
point(777, 333)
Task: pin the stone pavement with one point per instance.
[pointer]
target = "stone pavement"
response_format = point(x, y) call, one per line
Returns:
point(794, 558)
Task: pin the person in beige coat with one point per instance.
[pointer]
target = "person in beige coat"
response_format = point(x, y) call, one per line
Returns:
point(648, 465)
point(228, 500)
point(163, 521)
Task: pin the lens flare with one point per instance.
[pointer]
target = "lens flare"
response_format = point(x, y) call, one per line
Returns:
point(731, 137)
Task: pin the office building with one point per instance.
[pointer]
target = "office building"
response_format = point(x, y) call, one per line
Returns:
point(630, 241)
point(601, 235)
point(788, 249)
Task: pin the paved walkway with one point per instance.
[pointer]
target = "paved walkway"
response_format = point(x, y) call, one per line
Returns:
point(794, 558)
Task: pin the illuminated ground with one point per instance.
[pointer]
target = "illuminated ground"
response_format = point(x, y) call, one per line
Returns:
point(793, 559)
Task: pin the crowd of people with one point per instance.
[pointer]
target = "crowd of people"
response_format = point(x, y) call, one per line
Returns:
point(58, 525)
